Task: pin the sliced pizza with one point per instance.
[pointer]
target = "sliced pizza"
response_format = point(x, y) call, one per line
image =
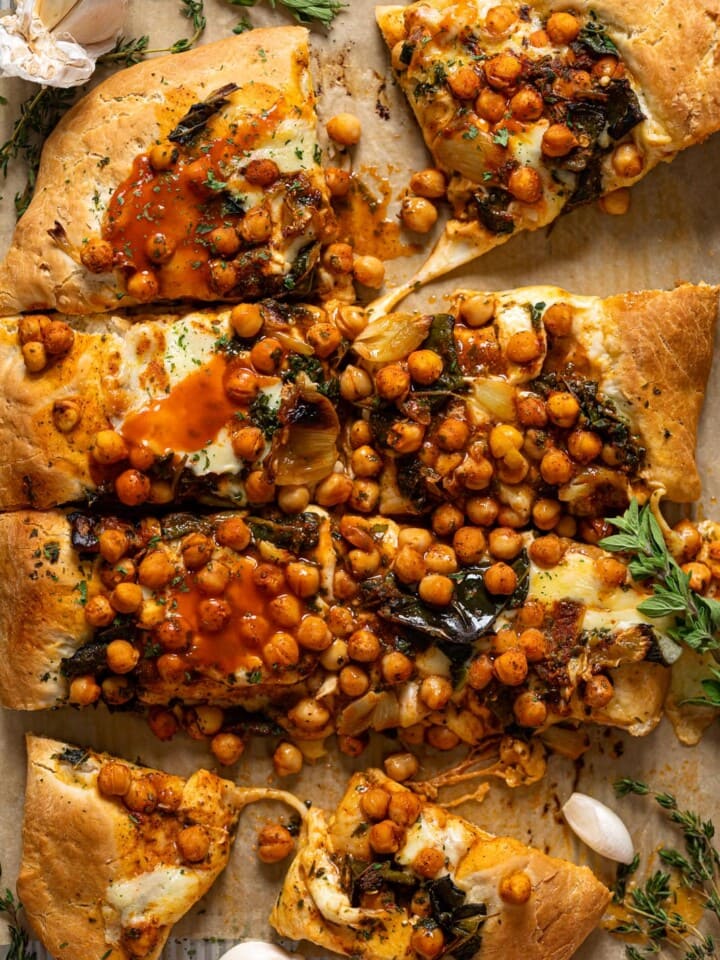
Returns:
point(531, 109)
point(316, 625)
point(390, 875)
point(194, 176)
point(557, 405)
point(114, 854)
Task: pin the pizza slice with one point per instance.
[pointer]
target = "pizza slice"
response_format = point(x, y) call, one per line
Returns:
point(114, 854)
point(530, 109)
point(391, 875)
point(529, 395)
point(192, 176)
point(216, 405)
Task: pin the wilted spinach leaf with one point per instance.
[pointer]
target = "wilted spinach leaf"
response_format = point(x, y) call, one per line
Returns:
point(297, 534)
point(199, 114)
point(461, 922)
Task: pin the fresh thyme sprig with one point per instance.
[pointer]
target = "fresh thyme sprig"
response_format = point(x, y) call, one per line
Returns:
point(304, 11)
point(41, 111)
point(696, 618)
point(10, 908)
point(698, 869)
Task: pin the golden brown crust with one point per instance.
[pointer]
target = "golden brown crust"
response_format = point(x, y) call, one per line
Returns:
point(93, 148)
point(565, 904)
point(660, 345)
point(82, 851)
point(42, 589)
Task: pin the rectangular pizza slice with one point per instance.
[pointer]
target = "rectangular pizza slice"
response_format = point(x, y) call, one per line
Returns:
point(530, 395)
point(531, 109)
point(390, 875)
point(192, 176)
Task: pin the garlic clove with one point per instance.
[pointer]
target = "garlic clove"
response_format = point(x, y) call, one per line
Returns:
point(599, 827)
point(258, 950)
point(51, 12)
point(93, 22)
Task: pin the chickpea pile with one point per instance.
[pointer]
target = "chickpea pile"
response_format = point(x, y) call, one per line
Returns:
point(533, 73)
point(42, 340)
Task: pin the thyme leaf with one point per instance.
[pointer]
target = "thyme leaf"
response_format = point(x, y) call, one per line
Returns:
point(304, 11)
point(10, 908)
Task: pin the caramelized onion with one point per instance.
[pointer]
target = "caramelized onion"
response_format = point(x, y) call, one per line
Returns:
point(391, 336)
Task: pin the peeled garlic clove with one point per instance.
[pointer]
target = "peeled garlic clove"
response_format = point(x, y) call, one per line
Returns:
point(258, 950)
point(51, 12)
point(599, 827)
point(93, 22)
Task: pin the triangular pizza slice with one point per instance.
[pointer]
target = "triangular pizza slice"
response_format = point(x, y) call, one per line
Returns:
point(192, 176)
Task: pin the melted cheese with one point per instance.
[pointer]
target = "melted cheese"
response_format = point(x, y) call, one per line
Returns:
point(453, 838)
point(161, 896)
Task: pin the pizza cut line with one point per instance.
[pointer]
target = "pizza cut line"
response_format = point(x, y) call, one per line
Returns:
point(533, 109)
point(388, 875)
point(528, 394)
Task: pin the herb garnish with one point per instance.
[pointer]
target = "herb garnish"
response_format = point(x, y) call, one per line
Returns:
point(696, 618)
point(698, 869)
point(10, 908)
point(264, 415)
point(304, 11)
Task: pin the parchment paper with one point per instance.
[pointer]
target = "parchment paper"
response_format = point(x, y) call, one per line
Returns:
point(672, 233)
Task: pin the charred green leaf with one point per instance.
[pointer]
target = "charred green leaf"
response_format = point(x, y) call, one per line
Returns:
point(198, 115)
point(299, 534)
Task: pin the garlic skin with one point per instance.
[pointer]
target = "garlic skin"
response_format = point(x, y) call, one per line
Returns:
point(258, 950)
point(599, 827)
point(56, 42)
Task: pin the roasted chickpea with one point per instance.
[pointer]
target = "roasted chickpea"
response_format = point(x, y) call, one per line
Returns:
point(436, 589)
point(262, 173)
point(345, 587)
point(369, 271)
point(132, 488)
point(420, 905)
point(700, 575)
point(469, 544)
point(425, 366)
point(256, 226)
point(213, 578)
point(627, 160)
point(418, 214)
point(98, 611)
point(523, 347)
point(584, 446)
point(156, 570)
point(547, 551)
point(401, 766)
point(524, 184)
point(275, 843)
point(392, 382)
point(213, 614)
point(482, 511)
point(558, 140)
point(34, 356)
point(335, 657)
point(163, 156)
point(287, 759)
point(293, 498)
point(404, 808)
point(114, 779)
point(163, 723)
point(83, 690)
point(247, 320)
point(281, 650)
point(313, 633)
point(499, 19)
point(366, 462)
point(309, 715)
point(396, 667)
point(345, 129)
point(558, 319)
point(364, 495)
point(138, 939)
point(446, 519)
point(504, 543)
point(502, 71)
point(248, 443)
point(338, 181)
point(428, 183)
point(266, 355)
point(511, 667)
point(159, 249)
point(234, 533)
point(333, 490)
point(435, 692)
point(427, 942)
point(353, 681)
point(303, 578)
point(196, 550)
point(610, 571)
point(97, 255)
point(355, 384)
point(546, 513)
point(440, 558)
point(386, 837)
point(563, 409)
point(529, 710)
point(500, 579)
point(527, 104)
point(374, 803)
point(364, 646)
point(122, 656)
point(109, 447)
point(616, 203)
point(562, 28)
point(193, 843)
point(58, 337)
point(324, 338)
point(360, 434)
point(258, 488)
point(464, 82)
point(338, 258)
point(598, 692)
point(174, 634)
point(141, 796)
point(556, 467)
point(475, 474)
point(491, 106)
point(452, 434)
point(241, 385)
point(515, 888)
point(143, 286)
point(126, 597)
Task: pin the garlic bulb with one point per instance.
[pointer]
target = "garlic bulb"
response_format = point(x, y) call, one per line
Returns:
point(56, 42)
point(599, 827)
point(258, 950)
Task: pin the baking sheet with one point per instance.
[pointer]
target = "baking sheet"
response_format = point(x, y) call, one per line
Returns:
point(672, 233)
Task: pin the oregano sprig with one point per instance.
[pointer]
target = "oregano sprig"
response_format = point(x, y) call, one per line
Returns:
point(10, 908)
point(304, 11)
point(696, 618)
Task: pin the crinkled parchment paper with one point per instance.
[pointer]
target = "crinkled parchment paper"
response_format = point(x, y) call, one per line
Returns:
point(672, 233)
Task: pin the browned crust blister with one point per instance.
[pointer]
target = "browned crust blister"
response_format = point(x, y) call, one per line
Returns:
point(94, 146)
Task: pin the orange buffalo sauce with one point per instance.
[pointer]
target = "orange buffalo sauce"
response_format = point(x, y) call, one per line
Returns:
point(189, 417)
